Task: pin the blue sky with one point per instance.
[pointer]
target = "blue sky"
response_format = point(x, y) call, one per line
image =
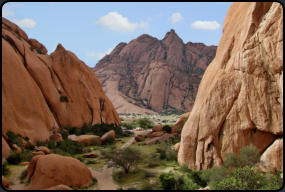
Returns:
point(93, 29)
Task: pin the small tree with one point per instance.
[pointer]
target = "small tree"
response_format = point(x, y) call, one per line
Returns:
point(124, 158)
point(249, 155)
point(166, 128)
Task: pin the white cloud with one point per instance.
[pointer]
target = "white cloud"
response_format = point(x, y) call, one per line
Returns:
point(7, 12)
point(98, 55)
point(175, 17)
point(25, 23)
point(117, 22)
point(205, 25)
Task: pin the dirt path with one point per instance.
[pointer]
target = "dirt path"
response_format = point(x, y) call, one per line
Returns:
point(104, 177)
point(14, 176)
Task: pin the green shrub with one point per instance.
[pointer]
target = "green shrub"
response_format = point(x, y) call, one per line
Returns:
point(166, 128)
point(14, 139)
point(30, 146)
point(26, 155)
point(70, 147)
point(23, 175)
point(244, 178)
point(196, 177)
point(63, 98)
point(214, 175)
point(51, 144)
point(165, 152)
point(232, 160)
point(144, 123)
point(249, 155)
point(14, 158)
point(5, 169)
point(188, 184)
point(168, 181)
point(129, 125)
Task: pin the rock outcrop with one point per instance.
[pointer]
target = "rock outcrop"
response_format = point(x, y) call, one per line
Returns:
point(239, 101)
point(40, 91)
point(46, 171)
point(148, 75)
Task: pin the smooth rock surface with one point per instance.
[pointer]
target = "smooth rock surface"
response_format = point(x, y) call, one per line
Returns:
point(239, 101)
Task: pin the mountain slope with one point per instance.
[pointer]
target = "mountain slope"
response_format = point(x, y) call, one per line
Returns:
point(148, 75)
point(40, 91)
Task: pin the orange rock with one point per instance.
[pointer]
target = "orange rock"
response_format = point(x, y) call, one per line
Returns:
point(239, 101)
point(16, 148)
point(47, 83)
point(5, 183)
point(158, 77)
point(49, 170)
point(56, 137)
point(43, 149)
point(272, 158)
point(88, 139)
point(157, 134)
point(5, 149)
point(157, 128)
point(176, 146)
point(139, 138)
point(59, 187)
point(181, 121)
point(108, 135)
point(40, 48)
point(35, 153)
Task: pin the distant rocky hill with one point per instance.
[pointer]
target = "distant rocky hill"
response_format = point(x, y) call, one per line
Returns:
point(240, 98)
point(148, 75)
point(41, 91)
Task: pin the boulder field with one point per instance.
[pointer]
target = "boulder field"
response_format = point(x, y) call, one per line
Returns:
point(240, 97)
point(41, 91)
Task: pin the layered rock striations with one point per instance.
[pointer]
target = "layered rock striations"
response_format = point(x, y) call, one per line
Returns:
point(239, 101)
point(148, 75)
point(41, 91)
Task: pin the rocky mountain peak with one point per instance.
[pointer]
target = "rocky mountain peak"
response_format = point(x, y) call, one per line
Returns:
point(171, 36)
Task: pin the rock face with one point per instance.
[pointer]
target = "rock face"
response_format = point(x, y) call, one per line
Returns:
point(40, 91)
point(49, 170)
point(272, 157)
point(148, 75)
point(239, 101)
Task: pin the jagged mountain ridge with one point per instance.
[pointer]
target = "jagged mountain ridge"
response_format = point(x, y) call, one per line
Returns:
point(148, 75)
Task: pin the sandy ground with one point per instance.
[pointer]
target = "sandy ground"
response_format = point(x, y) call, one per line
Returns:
point(14, 178)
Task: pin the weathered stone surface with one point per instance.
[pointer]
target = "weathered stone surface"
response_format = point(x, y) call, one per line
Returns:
point(90, 155)
point(5, 183)
point(5, 149)
point(88, 139)
point(181, 121)
point(56, 137)
point(157, 128)
point(139, 138)
point(148, 75)
point(108, 135)
point(59, 187)
point(16, 148)
point(44, 149)
point(176, 147)
point(40, 48)
point(239, 101)
point(35, 153)
point(157, 134)
point(40, 91)
point(49, 170)
point(272, 158)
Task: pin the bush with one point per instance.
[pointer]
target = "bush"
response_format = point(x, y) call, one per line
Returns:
point(244, 178)
point(63, 98)
point(70, 147)
point(168, 181)
point(232, 160)
point(26, 155)
point(165, 152)
point(5, 170)
point(129, 125)
point(166, 128)
point(144, 123)
point(14, 158)
point(14, 139)
point(214, 175)
point(188, 184)
point(196, 177)
point(249, 155)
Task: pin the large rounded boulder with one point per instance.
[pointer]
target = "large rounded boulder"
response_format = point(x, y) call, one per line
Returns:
point(46, 171)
